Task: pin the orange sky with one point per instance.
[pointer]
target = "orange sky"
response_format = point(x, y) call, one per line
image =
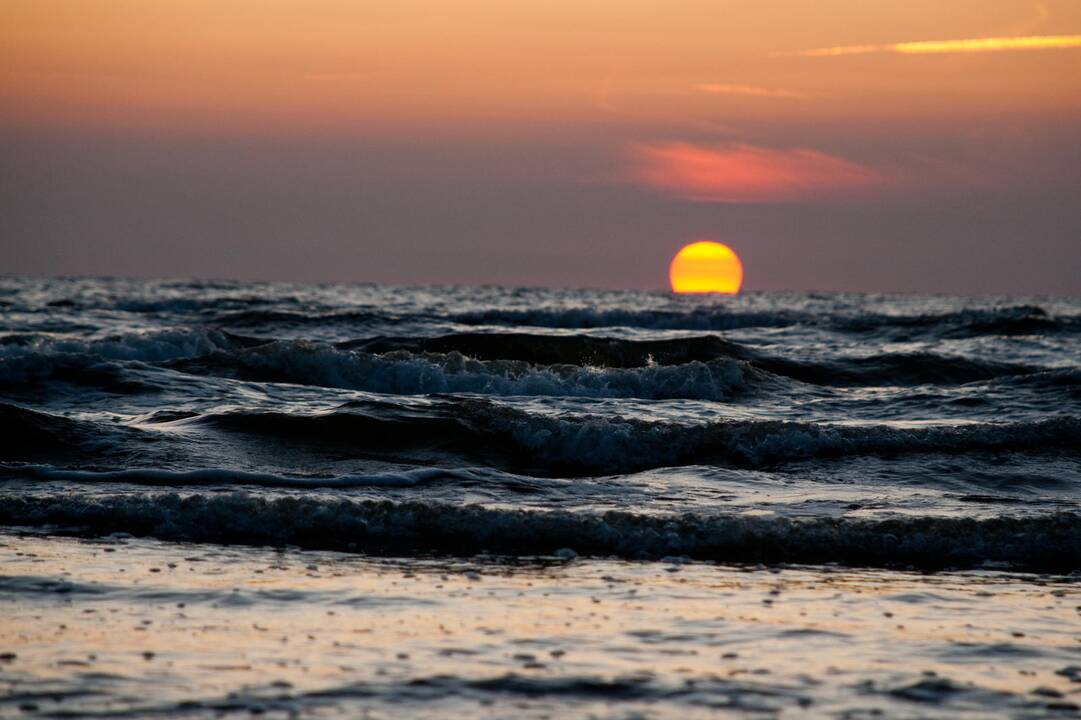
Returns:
point(367, 66)
point(501, 129)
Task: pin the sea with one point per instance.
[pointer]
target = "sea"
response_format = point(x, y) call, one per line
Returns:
point(235, 499)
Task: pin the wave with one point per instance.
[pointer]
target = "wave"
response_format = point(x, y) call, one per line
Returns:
point(180, 305)
point(603, 444)
point(33, 434)
point(166, 303)
point(1069, 378)
point(561, 349)
point(97, 363)
point(404, 373)
point(913, 368)
point(586, 317)
point(720, 378)
point(511, 439)
point(973, 322)
point(33, 358)
point(1049, 542)
point(703, 367)
point(291, 318)
point(1009, 320)
point(156, 346)
point(24, 374)
point(508, 438)
point(232, 478)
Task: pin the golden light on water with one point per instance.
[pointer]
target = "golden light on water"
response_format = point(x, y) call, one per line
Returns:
point(706, 267)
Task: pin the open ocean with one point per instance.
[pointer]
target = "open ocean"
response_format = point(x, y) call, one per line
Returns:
point(224, 498)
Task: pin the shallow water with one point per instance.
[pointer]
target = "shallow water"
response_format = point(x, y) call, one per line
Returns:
point(135, 628)
point(883, 434)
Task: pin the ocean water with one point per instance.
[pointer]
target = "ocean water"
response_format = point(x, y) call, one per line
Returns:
point(231, 498)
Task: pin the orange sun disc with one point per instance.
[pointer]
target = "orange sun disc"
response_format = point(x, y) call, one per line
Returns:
point(706, 267)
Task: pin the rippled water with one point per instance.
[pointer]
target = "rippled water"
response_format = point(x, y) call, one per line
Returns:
point(881, 433)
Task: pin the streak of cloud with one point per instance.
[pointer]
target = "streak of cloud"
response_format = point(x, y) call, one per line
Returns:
point(748, 91)
point(968, 45)
point(745, 173)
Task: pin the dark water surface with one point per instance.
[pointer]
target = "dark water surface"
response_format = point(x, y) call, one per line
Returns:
point(905, 432)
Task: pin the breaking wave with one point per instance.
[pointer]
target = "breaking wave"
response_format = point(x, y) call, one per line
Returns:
point(405, 373)
point(700, 368)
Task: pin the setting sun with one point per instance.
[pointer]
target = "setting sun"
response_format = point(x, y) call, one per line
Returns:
point(706, 267)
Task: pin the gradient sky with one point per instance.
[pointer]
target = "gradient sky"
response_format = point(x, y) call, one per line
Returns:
point(836, 145)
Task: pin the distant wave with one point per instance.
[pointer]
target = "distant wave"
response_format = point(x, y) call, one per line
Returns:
point(162, 303)
point(255, 319)
point(185, 305)
point(905, 368)
point(1035, 543)
point(586, 317)
point(264, 307)
point(1006, 320)
point(1010, 320)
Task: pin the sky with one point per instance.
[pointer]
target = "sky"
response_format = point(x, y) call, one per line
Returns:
point(895, 145)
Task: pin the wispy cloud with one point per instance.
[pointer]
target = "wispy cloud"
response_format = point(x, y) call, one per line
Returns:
point(968, 45)
point(744, 173)
point(748, 91)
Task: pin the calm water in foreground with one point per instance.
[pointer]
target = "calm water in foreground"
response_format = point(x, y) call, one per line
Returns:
point(234, 498)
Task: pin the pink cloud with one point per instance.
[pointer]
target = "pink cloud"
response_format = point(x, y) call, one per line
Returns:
point(745, 173)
